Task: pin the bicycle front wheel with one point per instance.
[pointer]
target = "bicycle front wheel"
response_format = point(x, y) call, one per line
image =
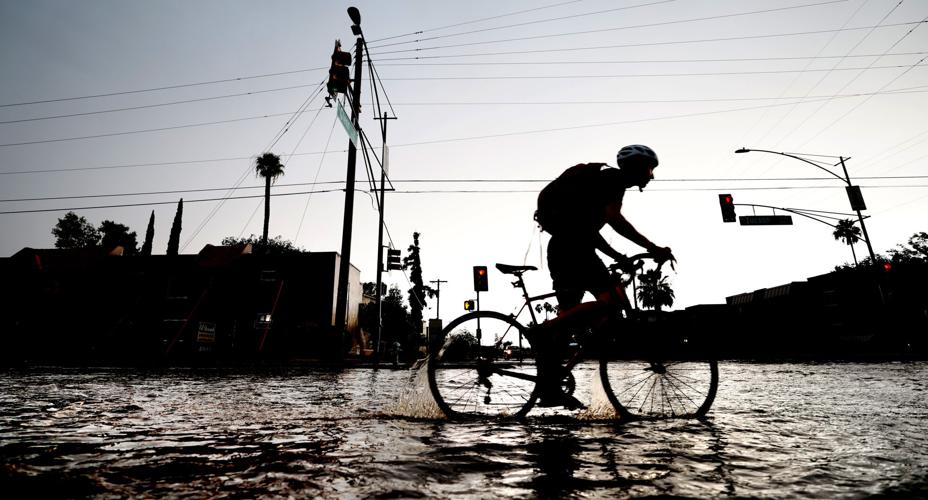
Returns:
point(660, 385)
point(482, 372)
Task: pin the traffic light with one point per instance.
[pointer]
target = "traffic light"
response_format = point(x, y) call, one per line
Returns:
point(339, 73)
point(469, 305)
point(728, 207)
point(887, 267)
point(393, 260)
point(481, 283)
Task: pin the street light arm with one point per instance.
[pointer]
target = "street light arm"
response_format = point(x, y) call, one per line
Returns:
point(745, 150)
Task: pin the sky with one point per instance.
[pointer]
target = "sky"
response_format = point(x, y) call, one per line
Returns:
point(104, 101)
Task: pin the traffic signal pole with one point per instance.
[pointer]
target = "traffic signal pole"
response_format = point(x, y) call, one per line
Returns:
point(341, 302)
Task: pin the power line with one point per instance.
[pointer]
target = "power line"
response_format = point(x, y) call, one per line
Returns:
point(645, 75)
point(166, 87)
point(446, 191)
point(649, 61)
point(448, 181)
point(527, 23)
point(594, 125)
point(148, 106)
point(123, 205)
point(648, 44)
point(601, 30)
point(477, 20)
point(143, 131)
point(657, 101)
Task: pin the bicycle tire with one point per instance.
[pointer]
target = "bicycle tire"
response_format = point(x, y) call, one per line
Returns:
point(474, 381)
point(660, 385)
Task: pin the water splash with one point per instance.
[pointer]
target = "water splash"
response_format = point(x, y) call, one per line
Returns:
point(600, 408)
point(416, 399)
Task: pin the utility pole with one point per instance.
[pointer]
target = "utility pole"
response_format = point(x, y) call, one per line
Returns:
point(341, 302)
point(438, 283)
point(860, 216)
point(383, 178)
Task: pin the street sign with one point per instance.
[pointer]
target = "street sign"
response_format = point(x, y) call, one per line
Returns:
point(765, 220)
point(856, 198)
point(346, 122)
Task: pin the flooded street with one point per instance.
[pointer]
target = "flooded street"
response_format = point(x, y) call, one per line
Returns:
point(776, 430)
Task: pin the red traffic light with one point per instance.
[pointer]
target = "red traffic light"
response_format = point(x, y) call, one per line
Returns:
point(481, 282)
point(727, 203)
point(887, 267)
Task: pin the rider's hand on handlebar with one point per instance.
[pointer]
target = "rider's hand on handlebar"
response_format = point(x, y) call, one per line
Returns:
point(662, 254)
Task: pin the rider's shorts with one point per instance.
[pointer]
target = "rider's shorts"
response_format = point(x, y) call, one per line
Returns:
point(575, 269)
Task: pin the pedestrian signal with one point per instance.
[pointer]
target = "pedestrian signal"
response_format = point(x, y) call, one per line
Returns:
point(469, 305)
point(728, 207)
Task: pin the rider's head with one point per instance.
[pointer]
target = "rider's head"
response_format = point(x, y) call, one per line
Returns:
point(638, 163)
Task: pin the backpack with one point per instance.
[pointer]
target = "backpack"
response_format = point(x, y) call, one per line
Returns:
point(561, 203)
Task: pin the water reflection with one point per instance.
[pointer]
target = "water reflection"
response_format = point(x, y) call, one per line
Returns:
point(858, 429)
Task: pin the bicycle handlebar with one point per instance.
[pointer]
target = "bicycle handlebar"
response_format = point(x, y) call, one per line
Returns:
point(635, 262)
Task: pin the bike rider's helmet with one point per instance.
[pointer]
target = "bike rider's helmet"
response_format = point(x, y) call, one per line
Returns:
point(636, 154)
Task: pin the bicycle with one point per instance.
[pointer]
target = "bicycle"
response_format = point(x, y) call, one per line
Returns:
point(664, 376)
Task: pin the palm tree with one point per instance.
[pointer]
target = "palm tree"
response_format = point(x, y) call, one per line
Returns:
point(847, 232)
point(268, 166)
point(654, 291)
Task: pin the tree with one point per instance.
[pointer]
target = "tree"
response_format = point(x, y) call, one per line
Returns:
point(149, 235)
point(654, 291)
point(269, 167)
point(547, 308)
point(276, 246)
point(419, 290)
point(917, 251)
point(847, 232)
point(174, 239)
point(395, 316)
point(73, 231)
point(114, 234)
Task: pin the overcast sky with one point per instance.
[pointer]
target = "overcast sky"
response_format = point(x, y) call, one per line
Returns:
point(512, 92)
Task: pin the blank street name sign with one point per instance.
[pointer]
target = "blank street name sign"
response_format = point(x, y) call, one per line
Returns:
point(765, 220)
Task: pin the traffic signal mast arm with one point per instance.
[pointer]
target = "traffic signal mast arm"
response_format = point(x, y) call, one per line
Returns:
point(804, 213)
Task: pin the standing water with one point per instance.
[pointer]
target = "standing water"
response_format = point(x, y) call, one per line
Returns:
point(776, 430)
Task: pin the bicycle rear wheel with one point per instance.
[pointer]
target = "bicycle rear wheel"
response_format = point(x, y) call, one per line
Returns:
point(659, 382)
point(471, 378)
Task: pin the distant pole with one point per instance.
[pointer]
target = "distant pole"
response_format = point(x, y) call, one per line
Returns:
point(438, 283)
point(341, 302)
point(383, 178)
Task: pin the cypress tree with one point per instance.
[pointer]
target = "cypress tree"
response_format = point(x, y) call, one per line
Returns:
point(149, 235)
point(174, 239)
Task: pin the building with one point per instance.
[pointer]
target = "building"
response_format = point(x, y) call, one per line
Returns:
point(224, 304)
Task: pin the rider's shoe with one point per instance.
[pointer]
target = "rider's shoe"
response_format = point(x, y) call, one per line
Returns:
point(558, 398)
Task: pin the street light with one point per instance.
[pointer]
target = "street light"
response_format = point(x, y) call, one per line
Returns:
point(853, 192)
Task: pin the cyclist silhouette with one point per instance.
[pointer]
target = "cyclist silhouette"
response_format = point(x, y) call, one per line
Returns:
point(574, 208)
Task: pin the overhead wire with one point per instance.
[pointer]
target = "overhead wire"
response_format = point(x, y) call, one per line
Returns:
point(647, 44)
point(315, 183)
point(149, 106)
point(640, 75)
point(500, 16)
point(609, 30)
point(284, 128)
point(526, 23)
point(153, 89)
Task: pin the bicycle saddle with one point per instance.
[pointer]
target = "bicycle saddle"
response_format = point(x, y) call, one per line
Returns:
point(507, 269)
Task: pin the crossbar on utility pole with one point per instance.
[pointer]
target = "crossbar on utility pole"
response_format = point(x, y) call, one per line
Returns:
point(438, 283)
point(341, 301)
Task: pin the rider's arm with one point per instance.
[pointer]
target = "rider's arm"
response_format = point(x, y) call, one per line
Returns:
point(621, 225)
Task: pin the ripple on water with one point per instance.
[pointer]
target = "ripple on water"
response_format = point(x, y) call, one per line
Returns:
point(824, 430)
